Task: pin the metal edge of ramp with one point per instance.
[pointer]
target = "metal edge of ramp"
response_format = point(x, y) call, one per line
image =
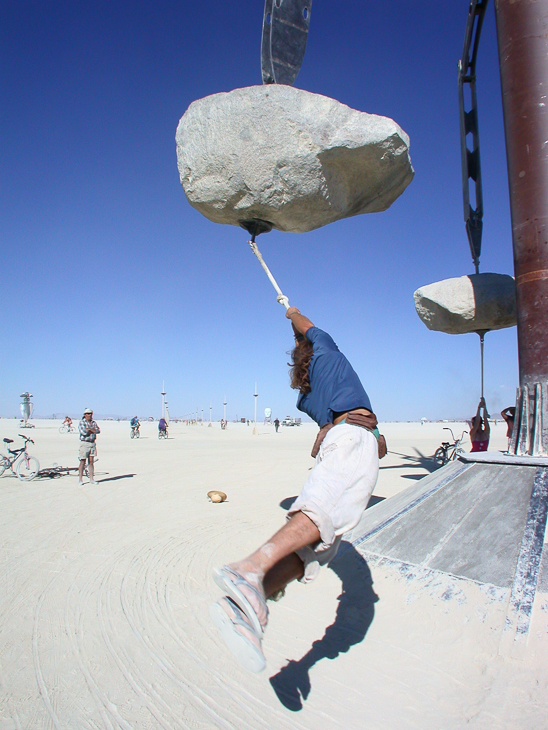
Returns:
point(524, 588)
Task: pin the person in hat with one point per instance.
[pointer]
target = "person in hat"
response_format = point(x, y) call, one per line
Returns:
point(331, 502)
point(88, 430)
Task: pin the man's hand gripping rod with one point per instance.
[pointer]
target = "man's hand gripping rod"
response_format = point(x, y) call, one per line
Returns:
point(281, 297)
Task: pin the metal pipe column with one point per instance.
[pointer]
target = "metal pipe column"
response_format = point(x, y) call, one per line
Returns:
point(522, 29)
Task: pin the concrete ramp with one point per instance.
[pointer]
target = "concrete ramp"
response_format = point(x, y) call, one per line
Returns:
point(473, 521)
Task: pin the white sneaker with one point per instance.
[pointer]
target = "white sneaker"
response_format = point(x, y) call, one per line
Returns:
point(92, 481)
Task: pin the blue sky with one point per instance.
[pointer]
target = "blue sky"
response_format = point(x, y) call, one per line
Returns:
point(113, 283)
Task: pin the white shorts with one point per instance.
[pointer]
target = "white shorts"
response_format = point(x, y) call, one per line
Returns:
point(337, 491)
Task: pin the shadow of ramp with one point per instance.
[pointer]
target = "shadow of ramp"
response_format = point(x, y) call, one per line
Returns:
point(420, 461)
point(287, 502)
point(353, 618)
point(373, 500)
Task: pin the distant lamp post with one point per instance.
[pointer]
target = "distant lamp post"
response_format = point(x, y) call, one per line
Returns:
point(224, 412)
point(164, 401)
point(202, 421)
point(255, 395)
point(210, 415)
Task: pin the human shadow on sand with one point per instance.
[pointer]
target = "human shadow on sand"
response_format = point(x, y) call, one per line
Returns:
point(115, 479)
point(353, 618)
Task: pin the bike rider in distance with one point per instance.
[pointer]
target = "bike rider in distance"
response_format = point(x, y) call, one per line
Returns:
point(67, 422)
point(480, 430)
point(162, 427)
point(135, 424)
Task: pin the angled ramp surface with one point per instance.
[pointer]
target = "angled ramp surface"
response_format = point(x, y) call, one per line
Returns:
point(480, 522)
point(465, 519)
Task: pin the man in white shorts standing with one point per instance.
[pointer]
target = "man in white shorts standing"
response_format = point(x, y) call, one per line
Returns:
point(330, 503)
point(88, 430)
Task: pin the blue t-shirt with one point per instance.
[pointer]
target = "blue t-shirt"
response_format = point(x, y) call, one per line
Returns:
point(335, 387)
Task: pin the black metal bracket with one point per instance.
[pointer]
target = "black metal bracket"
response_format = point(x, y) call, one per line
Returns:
point(470, 159)
point(256, 226)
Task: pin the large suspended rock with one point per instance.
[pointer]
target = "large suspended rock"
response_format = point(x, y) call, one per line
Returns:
point(284, 155)
point(468, 303)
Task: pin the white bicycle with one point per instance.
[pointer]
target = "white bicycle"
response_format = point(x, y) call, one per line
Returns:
point(26, 466)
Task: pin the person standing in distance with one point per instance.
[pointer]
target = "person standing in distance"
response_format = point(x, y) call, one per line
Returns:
point(88, 430)
point(509, 415)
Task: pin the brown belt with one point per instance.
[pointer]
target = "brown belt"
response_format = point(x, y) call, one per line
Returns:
point(368, 422)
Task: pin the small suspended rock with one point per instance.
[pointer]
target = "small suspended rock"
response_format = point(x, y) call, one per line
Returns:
point(468, 303)
point(216, 496)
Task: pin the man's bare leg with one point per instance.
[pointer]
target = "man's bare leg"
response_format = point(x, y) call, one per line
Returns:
point(276, 558)
point(91, 469)
point(284, 572)
point(81, 469)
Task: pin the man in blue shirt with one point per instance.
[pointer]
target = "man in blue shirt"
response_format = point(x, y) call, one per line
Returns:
point(330, 503)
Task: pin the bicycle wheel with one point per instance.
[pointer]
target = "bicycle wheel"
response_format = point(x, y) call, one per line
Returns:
point(62, 429)
point(440, 457)
point(27, 468)
point(137, 434)
point(132, 434)
point(4, 464)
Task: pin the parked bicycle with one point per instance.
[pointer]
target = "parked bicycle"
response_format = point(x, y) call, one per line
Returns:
point(26, 466)
point(449, 451)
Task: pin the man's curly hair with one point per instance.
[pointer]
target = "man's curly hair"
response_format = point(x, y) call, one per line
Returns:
point(300, 360)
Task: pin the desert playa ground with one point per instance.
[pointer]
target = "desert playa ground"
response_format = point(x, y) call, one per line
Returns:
point(105, 593)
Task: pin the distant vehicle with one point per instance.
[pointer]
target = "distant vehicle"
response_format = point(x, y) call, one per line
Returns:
point(289, 421)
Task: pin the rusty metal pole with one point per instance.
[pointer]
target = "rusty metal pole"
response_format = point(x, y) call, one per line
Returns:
point(522, 29)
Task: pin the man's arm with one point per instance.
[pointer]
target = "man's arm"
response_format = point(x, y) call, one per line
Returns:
point(301, 324)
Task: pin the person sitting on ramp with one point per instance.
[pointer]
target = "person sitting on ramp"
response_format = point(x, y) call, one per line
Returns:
point(331, 502)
